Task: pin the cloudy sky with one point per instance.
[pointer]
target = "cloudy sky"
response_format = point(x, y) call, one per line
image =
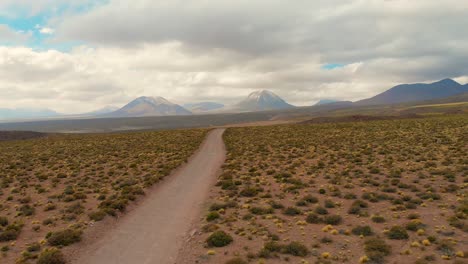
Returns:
point(79, 55)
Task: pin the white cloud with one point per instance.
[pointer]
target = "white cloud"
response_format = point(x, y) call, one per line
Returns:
point(47, 31)
point(88, 78)
point(221, 50)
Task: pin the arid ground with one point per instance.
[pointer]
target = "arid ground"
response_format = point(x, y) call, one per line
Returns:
point(54, 188)
point(388, 191)
point(379, 190)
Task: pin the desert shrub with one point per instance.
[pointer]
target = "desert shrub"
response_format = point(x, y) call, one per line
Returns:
point(261, 210)
point(313, 218)
point(51, 256)
point(64, 238)
point(273, 246)
point(414, 225)
point(376, 249)
point(211, 216)
point(50, 207)
point(48, 221)
point(97, 215)
point(34, 247)
point(357, 206)
point(3, 221)
point(310, 199)
point(320, 210)
point(295, 249)
point(217, 206)
point(26, 210)
point(249, 192)
point(332, 219)
point(301, 203)
point(329, 204)
point(398, 233)
point(219, 239)
point(378, 219)
point(11, 232)
point(292, 211)
point(362, 230)
point(446, 247)
point(350, 196)
point(276, 205)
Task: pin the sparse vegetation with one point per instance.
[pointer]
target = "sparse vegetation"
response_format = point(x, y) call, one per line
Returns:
point(52, 187)
point(349, 192)
point(219, 239)
point(51, 256)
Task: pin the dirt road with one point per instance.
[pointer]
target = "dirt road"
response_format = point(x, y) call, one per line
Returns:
point(155, 230)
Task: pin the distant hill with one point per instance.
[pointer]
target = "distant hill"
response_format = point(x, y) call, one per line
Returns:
point(149, 106)
point(101, 111)
point(203, 107)
point(326, 101)
point(416, 92)
point(8, 114)
point(260, 101)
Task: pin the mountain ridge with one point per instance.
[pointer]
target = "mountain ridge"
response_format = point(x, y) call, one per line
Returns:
point(416, 92)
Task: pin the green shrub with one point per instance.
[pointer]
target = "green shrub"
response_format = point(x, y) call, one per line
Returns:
point(295, 249)
point(11, 232)
point(362, 230)
point(261, 210)
point(34, 247)
point(313, 218)
point(211, 216)
point(310, 199)
point(219, 239)
point(272, 246)
point(3, 221)
point(398, 233)
point(376, 249)
point(357, 206)
point(414, 225)
point(329, 204)
point(292, 211)
point(51, 256)
point(320, 210)
point(26, 210)
point(64, 238)
point(332, 219)
point(249, 192)
point(378, 219)
point(97, 215)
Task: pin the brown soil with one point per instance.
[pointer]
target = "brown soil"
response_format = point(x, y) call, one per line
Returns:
point(155, 230)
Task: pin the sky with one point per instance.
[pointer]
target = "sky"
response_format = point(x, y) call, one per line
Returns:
point(76, 56)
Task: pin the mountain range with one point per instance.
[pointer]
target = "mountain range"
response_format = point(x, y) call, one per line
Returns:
point(416, 92)
point(262, 100)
